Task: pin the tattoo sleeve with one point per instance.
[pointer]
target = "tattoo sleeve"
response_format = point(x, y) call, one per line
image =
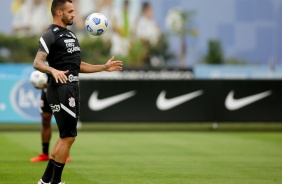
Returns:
point(39, 64)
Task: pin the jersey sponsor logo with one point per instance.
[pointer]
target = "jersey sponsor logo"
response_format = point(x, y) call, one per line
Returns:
point(166, 104)
point(24, 99)
point(70, 44)
point(55, 108)
point(69, 40)
point(72, 78)
point(233, 104)
point(73, 49)
point(71, 102)
point(96, 104)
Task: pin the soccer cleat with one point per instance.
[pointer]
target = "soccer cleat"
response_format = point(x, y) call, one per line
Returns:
point(68, 159)
point(42, 182)
point(40, 158)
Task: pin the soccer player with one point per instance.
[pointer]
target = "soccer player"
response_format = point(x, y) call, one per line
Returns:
point(60, 47)
point(46, 130)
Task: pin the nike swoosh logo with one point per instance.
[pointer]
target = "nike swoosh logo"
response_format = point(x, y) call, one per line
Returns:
point(56, 165)
point(166, 104)
point(235, 104)
point(96, 104)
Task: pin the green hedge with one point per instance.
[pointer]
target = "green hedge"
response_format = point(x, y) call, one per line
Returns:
point(17, 49)
point(96, 51)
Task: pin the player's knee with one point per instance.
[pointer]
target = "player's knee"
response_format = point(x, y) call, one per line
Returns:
point(69, 140)
point(46, 120)
point(53, 155)
point(46, 125)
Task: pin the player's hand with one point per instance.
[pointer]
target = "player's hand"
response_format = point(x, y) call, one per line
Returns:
point(42, 87)
point(60, 75)
point(112, 65)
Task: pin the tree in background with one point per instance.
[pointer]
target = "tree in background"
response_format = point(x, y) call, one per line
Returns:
point(215, 53)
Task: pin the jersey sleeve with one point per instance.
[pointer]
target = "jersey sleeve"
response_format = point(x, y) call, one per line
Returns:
point(46, 41)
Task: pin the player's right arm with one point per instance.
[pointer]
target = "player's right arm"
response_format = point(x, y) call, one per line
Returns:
point(40, 65)
point(39, 62)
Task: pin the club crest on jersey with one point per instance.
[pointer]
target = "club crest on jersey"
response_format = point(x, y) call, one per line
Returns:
point(71, 102)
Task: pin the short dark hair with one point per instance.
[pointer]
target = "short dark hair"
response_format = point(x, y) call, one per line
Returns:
point(56, 4)
point(145, 6)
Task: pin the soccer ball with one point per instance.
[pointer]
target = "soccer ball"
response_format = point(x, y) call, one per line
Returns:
point(96, 24)
point(38, 79)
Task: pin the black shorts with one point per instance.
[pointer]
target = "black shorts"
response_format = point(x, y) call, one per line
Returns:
point(44, 105)
point(64, 102)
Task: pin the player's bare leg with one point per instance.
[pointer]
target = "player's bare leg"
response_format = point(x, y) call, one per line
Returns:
point(46, 178)
point(46, 130)
point(61, 149)
point(60, 153)
point(58, 157)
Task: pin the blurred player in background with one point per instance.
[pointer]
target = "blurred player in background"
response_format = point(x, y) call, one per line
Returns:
point(16, 4)
point(147, 28)
point(123, 30)
point(31, 18)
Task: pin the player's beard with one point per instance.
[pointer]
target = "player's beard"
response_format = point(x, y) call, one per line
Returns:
point(66, 20)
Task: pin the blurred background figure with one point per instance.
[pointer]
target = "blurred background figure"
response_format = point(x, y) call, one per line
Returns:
point(31, 18)
point(123, 30)
point(147, 28)
point(16, 4)
point(106, 8)
point(149, 33)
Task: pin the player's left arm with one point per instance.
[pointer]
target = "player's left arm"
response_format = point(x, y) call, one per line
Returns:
point(110, 66)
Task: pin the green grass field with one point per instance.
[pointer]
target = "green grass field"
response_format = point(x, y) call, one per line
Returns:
point(150, 157)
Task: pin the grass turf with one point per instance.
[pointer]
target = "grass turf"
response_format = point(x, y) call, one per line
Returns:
point(150, 158)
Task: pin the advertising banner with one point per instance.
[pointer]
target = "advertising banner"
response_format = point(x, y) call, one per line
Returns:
point(181, 100)
point(19, 101)
point(134, 96)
